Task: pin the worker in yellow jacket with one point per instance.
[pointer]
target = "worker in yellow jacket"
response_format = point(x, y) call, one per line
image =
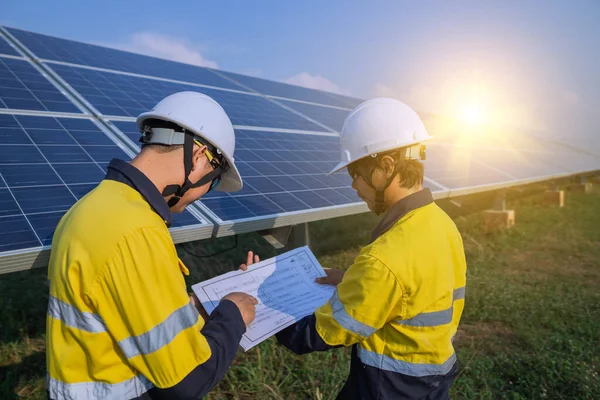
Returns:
point(120, 323)
point(400, 303)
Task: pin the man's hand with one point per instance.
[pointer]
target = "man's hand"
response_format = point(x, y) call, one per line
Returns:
point(245, 303)
point(334, 276)
point(250, 259)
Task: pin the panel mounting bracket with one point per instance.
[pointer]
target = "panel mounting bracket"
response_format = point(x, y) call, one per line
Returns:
point(288, 237)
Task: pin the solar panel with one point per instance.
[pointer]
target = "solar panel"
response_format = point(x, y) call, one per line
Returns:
point(454, 171)
point(23, 87)
point(115, 94)
point(332, 117)
point(510, 158)
point(6, 48)
point(69, 51)
point(347, 100)
point(285, 90)
point(46, 165)
point(573, 156)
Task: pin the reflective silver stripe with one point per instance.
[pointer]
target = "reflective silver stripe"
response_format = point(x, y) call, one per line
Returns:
point(459, 293)
point(128, 389)
point(434, 318)
point(404, 367)
point(429, 319)
point(346, 321)
point(162, 334)
point(73, 317)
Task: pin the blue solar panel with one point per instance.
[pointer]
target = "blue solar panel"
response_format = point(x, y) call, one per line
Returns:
point(6, 48)
point(123, 95)
point(22, 87)
point(455, 170)
point(570, 159)
point(281, 186)
point(280, 89)
point(46, 165)
point(331, 117)
point(52, 48)
point(459, 167)
point(347, 100)
point(16, 231)
point(57, 49)
point(522, 156)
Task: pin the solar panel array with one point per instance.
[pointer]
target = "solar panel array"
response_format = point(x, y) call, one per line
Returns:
point(81, 101)
point(46, 165)
point(23, 87)
point(114, 94)
point(52, 153)
point(7, 49)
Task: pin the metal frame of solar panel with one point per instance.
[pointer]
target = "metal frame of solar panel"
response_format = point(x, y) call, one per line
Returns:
point(286, 135)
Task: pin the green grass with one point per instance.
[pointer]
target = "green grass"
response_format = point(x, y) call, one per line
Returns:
point(530, 330)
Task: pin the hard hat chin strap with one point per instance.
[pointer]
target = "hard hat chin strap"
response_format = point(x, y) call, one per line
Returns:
point(179, 190)
point(380, 207)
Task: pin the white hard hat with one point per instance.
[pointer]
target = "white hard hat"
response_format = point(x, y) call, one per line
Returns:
point(199, 114)
point(379, 125)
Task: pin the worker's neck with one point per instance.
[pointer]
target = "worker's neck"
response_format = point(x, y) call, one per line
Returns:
point(153, 166)
point(395, 193)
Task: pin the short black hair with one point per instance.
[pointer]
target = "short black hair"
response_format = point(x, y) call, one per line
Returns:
point(411, 171)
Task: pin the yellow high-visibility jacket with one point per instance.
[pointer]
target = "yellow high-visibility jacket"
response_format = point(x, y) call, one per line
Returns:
point(120, 324)
point(400, 302)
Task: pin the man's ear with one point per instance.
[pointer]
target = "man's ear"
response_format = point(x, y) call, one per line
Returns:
point(198, 157)
point(388, 165)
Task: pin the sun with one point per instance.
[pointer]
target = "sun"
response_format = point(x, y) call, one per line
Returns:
point(472, 114)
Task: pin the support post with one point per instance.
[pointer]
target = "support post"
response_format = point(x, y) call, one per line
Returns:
point(299, 236)
point(277, 237)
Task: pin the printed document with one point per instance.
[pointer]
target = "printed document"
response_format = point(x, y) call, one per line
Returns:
point(284, 286)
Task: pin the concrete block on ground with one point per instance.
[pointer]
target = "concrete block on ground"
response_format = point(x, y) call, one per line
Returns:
point(495, 220)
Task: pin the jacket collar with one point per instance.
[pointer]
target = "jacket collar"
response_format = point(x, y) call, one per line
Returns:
point(121, 171)
point(400, 209)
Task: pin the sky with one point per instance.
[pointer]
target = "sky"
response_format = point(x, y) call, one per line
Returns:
point(515, 63)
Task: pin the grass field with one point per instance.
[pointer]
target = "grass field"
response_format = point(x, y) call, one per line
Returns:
point(530, 330)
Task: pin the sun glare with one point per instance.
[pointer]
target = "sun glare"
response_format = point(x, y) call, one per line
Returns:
point(472, 114)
